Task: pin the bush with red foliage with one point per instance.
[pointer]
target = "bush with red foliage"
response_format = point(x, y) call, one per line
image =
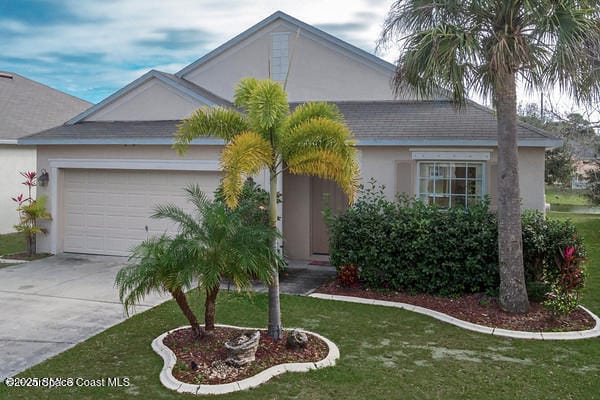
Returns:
point(347, 275)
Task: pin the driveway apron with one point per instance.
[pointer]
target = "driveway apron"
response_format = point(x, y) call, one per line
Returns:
point(52, 304)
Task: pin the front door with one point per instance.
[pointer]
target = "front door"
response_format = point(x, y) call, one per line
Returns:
point(323, 193)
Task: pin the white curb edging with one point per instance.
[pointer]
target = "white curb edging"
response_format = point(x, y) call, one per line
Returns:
point(11, 261)
point(589, 333)
point(169, 381)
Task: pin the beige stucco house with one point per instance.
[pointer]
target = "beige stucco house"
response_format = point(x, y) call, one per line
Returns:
point(111, 164)
point(26, 107)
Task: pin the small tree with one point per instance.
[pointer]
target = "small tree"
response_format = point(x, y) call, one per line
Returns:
point(157, 265)
point(559, 166)
point(312, 140)
point(593, 184)
point(30, 211)
point(213, 243)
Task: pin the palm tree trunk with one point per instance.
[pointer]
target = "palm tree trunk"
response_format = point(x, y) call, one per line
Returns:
point(209, 309)
point(274, 328)
point(513, 294)
point(183, 304)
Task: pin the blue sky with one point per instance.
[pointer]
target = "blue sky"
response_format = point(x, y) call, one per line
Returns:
point(92, 48)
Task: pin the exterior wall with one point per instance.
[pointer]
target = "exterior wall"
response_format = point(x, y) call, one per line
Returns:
point(13, 159)
point(383, 163)
point(317, 71)
point(531, 178)
point(152, 101)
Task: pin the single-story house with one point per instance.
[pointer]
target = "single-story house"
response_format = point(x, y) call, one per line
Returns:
point(112, 163)
point(26, 107)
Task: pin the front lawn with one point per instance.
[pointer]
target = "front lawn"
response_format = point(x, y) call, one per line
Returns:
point(385, 353)
point(558, 195)
point(12, 243)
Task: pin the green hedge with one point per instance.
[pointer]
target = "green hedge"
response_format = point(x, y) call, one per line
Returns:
point(407, 245)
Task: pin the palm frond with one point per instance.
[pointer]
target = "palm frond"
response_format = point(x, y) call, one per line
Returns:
point(307, 111)
point(185, 221)
point(197, 197)
point(461, 46)
point(246, 155)
point(219, 122)
point(243, 92)
point(267, 108)
point(317, 133)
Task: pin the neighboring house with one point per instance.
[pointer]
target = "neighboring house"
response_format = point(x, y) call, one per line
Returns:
point(111, 164)
point(585, 158)
point(25, 107)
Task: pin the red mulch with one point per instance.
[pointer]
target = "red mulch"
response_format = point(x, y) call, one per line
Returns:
point(476, 308)
point(208, 354)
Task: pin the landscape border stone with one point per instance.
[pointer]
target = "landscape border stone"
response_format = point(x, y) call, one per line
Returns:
point(574, 335)
point(170, 382)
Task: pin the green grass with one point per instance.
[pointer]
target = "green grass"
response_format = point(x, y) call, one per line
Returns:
point(12, 243)
point(557, 195)
point(385, 353)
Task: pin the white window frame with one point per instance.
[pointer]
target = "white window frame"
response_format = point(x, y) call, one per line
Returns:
point(421, 195)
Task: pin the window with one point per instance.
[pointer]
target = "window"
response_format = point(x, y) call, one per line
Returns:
point(451, 184)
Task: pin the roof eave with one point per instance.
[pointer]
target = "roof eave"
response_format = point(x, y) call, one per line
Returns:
point(544, 143)
point(135, 84)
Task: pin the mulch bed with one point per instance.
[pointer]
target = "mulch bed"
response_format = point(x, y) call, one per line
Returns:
point(208, 355)
point(476, 308)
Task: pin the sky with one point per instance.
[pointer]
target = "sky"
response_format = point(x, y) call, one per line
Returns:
point(92, 48)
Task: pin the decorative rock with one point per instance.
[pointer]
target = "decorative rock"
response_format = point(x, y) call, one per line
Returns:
point(296, 340)
point(241, 350)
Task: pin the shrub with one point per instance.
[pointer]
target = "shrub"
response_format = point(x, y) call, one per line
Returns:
point(408, 245)
point(566, 281)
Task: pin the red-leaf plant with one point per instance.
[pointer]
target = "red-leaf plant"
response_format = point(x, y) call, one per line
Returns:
point(30, 211)
point(567, 281)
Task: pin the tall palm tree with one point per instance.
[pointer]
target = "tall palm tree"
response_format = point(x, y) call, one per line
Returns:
point(217, 242)
point(311, 140)
point(157, 265)
point(453, 46)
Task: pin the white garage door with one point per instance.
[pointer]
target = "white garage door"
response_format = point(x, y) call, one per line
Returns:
point(107, 211)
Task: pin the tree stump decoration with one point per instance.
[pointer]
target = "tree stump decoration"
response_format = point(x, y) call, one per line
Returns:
point(296, 340)
point(241, 350)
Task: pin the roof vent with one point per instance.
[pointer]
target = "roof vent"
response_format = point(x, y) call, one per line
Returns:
point(5, 75)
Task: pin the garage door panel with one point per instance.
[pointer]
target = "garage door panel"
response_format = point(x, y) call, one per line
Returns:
point(108, 211)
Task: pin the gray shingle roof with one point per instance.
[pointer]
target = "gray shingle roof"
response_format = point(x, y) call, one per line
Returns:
point(27, 106)
point(373, 123)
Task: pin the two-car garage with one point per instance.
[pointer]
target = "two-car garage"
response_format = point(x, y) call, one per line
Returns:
point(107, 211)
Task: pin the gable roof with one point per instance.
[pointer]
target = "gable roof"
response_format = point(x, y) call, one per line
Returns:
point(170, 80)
point(27, 106)
point(304, 27)
point(374, 123)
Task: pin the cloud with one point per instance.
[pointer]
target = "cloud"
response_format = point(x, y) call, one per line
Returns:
point(93, 48)
point(177, 39)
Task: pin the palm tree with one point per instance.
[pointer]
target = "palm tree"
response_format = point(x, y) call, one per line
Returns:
point(451, 46)
point(218, 243)
point(311, 140)
point(157, 265)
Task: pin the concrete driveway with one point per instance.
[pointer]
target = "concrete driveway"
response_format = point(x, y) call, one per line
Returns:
point(50, 305)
